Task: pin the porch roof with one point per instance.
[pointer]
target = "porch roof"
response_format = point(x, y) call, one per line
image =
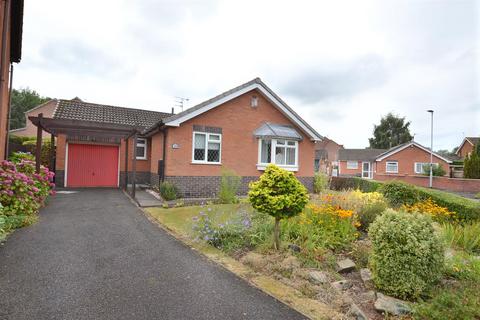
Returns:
point(270, 130)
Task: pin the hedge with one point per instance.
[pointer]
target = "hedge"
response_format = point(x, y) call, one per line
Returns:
point(346, 183)
point(467, 210)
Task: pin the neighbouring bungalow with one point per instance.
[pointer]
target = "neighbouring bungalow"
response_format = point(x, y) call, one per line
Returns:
point(30, 130)
point(243, 129)
point(407, 159)
point(466, 147)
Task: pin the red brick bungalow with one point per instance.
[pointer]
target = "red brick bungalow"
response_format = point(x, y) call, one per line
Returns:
point(406, 159)
point(242, 129)
point(466, 147)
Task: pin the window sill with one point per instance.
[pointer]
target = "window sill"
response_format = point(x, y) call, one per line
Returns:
point(262, 167)
point(209, 163)
point(141, 159)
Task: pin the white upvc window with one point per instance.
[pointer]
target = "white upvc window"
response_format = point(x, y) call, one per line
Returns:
point(206, 148)
point(352, 164)
point(391, 167)
point(419, 167)
point(141, 149)
point(283, 153)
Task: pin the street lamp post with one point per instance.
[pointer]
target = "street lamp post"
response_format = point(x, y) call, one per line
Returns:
point(431, 148)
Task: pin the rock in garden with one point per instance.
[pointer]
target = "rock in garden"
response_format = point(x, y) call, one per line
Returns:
point(318, 277)
point(255, 260)
point(289, 264)
point(345, 265)
point(357, 313)
point(368, 296)
point(391, 305)
point(294, 247)
point(366, 276)
point(342, 285)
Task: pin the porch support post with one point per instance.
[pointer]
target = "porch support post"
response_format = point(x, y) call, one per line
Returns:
point(52, 152)
point(134, 164)
point(126, 165)
point(38, 150)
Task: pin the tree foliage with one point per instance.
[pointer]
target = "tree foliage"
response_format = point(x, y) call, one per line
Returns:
point(392, 131)
point(471, 165)
point(278, 193)
point(23, 100)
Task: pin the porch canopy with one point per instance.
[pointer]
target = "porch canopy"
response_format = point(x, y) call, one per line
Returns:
point(277, 131)
point(84, 128)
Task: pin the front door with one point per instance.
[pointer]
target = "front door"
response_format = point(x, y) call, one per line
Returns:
point(366, 170)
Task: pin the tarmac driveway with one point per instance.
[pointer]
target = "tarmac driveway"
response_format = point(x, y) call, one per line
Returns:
point(93, 255)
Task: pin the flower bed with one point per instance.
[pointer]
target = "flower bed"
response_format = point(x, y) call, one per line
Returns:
point(22, 193)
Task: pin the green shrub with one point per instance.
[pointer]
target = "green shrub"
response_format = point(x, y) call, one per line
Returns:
point(229, 185)
point(369, 212)
point(17, 157)
point(407, 256)
point(465, 237)
point(168, 190)
point(466, 209)
point(471, 164)
point(320, 182)
point(399, 193)
point(354, 183)
point(477, 196)
point(437, 170)
point(31, 146)
point(278, 193)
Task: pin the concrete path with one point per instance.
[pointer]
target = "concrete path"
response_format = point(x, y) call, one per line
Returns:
point(93, 255)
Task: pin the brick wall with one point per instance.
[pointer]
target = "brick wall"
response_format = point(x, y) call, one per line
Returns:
point(141, 177)
point(208, 186)
point(4, 83)
point(465, 150)
point(443, 183)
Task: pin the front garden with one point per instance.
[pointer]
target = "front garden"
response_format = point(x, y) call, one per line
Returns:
point(22, 192)
point(389, 250)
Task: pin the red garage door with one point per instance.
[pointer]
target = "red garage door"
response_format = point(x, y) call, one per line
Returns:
point(92, 166)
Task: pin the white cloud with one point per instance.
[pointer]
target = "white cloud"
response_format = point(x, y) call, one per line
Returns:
point(340, 64)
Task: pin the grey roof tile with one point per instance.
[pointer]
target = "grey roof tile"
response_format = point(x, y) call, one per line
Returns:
point(359, 154)
point(76, 109)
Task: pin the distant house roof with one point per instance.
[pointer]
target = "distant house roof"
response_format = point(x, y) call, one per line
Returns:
point(255, 84)
point(326, 141)
point(16, 24)
point(76, 109)
point(359, 154)
point(472, 140)
point(402, 146)
point(272, 130)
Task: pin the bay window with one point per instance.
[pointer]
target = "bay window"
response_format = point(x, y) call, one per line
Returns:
point(206, 147)
point(281, 152)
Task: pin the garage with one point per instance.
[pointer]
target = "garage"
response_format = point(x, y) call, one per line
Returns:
point(92, 165)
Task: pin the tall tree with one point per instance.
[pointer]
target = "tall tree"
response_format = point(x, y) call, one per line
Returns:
point(23, 100)
point(392, 131)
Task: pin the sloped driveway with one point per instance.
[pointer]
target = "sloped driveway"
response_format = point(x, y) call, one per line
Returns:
point(93, 255)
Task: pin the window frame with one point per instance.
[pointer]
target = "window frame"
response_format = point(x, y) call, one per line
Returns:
point(207, 140)
point(435, 164)
point(352, 161)
point(144, 145)
point(290, 167)
point(391, 162)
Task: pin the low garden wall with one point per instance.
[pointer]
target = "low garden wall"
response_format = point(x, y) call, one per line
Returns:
point(442, 183)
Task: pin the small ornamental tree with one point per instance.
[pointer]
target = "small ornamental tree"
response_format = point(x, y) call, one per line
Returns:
point(278, 193)
point(471, 165)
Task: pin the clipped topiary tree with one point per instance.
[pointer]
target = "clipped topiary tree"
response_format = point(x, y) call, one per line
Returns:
point(407, 257)
point(278, 193)
point(399, 193)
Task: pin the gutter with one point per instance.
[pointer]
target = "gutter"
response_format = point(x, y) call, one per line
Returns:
point(164, 155)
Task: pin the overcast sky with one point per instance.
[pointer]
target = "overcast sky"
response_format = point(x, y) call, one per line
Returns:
point(340, 64)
